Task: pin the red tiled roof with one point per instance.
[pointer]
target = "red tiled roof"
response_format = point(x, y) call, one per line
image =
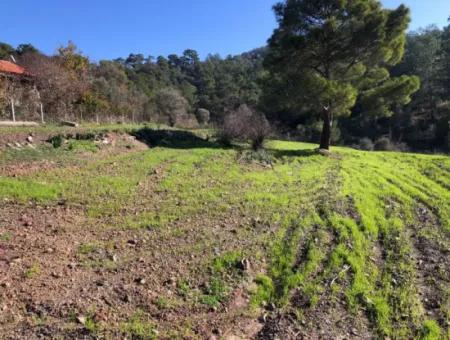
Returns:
point(9, 67)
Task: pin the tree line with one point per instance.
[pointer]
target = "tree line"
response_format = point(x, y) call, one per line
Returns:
point(333, 72)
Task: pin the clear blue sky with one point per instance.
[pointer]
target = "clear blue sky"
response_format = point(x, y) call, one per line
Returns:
point(106, 29)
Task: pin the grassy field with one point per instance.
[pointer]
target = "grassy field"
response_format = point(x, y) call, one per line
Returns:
point(169, 235)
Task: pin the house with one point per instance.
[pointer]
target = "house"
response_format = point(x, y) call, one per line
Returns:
point(8, 68)
point(14, 80)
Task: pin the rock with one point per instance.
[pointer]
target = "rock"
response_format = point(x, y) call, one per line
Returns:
point(140, 281)
point(245, 263)
point(81, 319)
point(324, 152)
point(30, 139)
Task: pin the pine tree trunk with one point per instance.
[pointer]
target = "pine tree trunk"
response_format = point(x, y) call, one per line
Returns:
point(325, 138)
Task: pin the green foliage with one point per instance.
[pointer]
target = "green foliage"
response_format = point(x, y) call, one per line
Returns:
point(137, 327)
point(82, 146)
point(215, 292)
point(33, 271)
point(57, 141)
point(431, 330)
point(230, 262)
point(330, 55)
point(265, 292)
point(5, 237)
point(87, 248)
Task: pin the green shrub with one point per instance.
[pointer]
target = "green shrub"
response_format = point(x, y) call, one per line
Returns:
point(383, 144)
point(431, 330)
point(56, 141)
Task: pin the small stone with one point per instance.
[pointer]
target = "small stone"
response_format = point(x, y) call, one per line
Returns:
point(30, 139)
point(140, 281)
point(81, 319)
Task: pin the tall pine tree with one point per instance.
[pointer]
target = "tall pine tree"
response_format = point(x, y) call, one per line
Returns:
point(332, 54)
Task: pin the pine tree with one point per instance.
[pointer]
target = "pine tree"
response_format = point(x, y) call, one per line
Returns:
point(331, 54)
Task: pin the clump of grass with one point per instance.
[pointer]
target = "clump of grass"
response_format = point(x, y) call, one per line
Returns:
point(230, 263)
point(225, 269)
point(56, 141)
point(184, 289)
point(33, 271)
point(138, 327)
point(265, 291)
point(91, 325)
point(431, 330)
point(88, 248)
point(162, 302)
point(215, 292)
point(5, 237)
point(82, 146)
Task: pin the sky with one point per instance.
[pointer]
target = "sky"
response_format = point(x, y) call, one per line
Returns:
point(108, 29)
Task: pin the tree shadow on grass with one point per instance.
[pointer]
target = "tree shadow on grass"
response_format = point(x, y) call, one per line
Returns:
point(292, 153)
point(175, 139)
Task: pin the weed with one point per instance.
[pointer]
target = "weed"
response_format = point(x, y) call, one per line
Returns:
point(5, 237)
point(87, 248)
point(137, 327)
point(431, 330)
point(33, 271)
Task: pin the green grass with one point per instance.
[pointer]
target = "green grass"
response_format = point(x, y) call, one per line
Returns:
point(344, 225)
point(138, 328)
point(33, 271)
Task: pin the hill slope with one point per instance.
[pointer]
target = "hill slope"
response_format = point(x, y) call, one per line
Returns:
point(187, 239)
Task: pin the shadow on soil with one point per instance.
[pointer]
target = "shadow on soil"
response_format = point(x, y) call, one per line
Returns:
point(176, 139)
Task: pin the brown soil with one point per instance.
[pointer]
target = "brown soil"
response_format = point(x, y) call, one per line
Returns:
point(432, 261)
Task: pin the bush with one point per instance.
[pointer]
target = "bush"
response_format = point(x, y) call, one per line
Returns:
point(245, 124)
point(365, 144)
point(203, 116)
point(171, 105)
point(57, 141)
point(383, 144)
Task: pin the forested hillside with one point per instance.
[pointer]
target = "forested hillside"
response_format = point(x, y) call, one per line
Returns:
point(184, 90)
